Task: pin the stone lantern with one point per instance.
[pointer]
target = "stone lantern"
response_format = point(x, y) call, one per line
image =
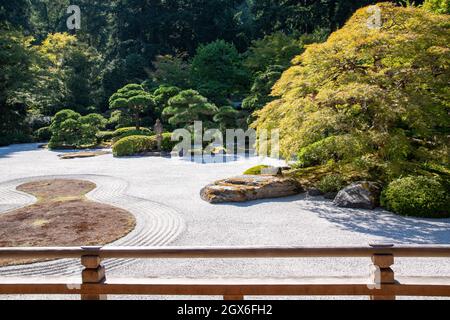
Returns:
point(158, 128)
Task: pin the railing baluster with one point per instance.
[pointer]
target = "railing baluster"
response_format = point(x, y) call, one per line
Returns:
point(382, 273)
point(93, 272)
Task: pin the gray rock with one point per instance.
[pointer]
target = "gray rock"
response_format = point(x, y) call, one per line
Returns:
point(363, 195)
point(314, 192)
point(248, 188)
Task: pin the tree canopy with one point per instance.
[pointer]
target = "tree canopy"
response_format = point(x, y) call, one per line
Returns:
point(133, 99)
point(189, 106)
point(377, 99)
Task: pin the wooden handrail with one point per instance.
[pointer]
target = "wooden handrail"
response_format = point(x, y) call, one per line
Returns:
point(429, 251)
point(382, 283)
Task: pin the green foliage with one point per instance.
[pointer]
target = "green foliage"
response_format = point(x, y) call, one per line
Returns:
point(331, 183)
point(134, 145)
point(69, 71)
point(218, 72)
point(162, 96)
point(15, 137)
point(131, 131)
point(171, 71)
point(229, 118)
point(17, 78)
point(167, 144)
point(43, 134)
point(105, 136)
point(418, 197)
point(133, 99)
point(262, 87)
point(119, 119)
point(256, 170)
point(277, 49)
point(437, 6)
point(384, 92)
point(334, 149)
point(71, 130)
point(189, 106)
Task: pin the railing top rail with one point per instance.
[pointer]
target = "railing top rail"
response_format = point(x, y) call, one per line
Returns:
point(226, 252)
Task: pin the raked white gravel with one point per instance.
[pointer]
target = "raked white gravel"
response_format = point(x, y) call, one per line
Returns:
point(175, 184)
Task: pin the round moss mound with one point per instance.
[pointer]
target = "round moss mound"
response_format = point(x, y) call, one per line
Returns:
point(418, 197)
point(255, 170)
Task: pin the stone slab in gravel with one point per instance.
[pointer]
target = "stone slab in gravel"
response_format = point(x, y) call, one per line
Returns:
point(248, 188)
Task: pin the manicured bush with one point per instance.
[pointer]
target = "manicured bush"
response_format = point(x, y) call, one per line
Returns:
point(71, 130)
point(130, 131)
point(417, 196)
point(255, 170)
point(134, 145)
point(43, 134)
point(331, 183)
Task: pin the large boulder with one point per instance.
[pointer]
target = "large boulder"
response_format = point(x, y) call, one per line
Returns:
point(248, 187)
point(363, 195)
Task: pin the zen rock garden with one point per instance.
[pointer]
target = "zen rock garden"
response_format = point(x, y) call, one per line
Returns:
point(362, 195)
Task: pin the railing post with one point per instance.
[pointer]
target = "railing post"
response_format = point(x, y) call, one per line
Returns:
point(382, 273)
point(93, 272)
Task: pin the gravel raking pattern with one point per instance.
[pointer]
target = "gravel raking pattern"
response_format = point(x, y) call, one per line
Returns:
point(156, 224)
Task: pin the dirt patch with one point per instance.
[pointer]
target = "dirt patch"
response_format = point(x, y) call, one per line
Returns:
point(62, 217)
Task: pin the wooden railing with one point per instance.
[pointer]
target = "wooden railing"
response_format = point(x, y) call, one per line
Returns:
point(381, 284)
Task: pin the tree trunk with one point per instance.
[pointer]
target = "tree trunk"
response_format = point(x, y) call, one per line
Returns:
point(137, 121)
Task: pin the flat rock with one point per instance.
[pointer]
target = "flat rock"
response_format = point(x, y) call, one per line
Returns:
point(362, 195)
point(83, 154)
point(248, 188)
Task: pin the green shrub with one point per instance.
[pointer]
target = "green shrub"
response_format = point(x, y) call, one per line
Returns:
point(167, 144)
point(71, 130)
point(331, 183)
point(417, 196)
point(134, 145)
point(14, 137)
point(130, 131)
point(255, 170)
point(43, 134)
point(104, 136)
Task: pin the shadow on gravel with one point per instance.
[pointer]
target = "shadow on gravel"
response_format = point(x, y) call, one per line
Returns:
point(15, 148)
point(382, 223)
point(377, 222)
